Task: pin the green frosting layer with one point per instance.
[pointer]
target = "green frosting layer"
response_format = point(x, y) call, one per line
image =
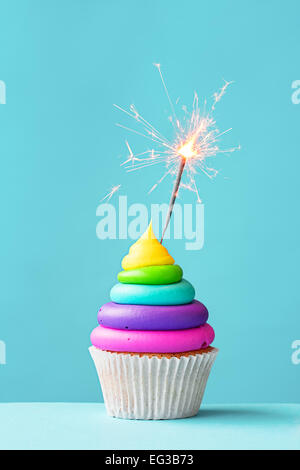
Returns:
point(165, 274)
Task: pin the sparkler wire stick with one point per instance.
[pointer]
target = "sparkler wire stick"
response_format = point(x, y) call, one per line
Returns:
point(174, 194)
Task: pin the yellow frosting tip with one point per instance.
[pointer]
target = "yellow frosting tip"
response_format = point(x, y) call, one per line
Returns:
point(149, 234)
point(147, 251)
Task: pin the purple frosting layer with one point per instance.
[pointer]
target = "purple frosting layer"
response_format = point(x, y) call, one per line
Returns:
point(152, 317)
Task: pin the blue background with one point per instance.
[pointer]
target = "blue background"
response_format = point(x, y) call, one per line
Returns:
point(65, 62)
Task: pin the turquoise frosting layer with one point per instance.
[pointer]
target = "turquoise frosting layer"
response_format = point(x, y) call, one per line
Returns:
point(172, 294)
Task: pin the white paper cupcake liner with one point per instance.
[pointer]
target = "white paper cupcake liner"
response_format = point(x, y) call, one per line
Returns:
point(150, 387)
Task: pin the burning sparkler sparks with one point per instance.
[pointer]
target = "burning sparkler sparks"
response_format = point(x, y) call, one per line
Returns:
point(196, 140)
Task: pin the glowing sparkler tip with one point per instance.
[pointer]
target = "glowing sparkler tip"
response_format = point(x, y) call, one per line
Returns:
point(187, 150)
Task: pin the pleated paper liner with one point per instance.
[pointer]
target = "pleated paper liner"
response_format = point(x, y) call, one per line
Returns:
point(153, 386)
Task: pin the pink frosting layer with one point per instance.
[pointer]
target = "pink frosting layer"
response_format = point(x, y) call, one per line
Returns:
point(172, 341)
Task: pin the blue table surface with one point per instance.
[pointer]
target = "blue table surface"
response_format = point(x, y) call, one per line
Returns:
point(86, 426)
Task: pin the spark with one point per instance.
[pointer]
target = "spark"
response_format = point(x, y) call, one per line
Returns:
point(219, 95)
point(109, 195)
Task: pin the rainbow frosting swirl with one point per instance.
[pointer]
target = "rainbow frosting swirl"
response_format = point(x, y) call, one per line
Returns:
point(152, 308)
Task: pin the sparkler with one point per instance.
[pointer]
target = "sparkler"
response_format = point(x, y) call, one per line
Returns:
point(174, 195)
point(196, 140)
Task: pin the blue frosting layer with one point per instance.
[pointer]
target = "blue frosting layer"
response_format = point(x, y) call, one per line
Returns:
point(143, 294)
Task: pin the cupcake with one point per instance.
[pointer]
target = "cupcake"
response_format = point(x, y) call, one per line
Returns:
point(152, 346)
